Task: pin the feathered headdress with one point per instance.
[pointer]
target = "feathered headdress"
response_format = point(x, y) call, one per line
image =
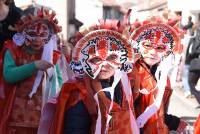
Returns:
point(158, 31)
point(40, 15)
point(103, 39)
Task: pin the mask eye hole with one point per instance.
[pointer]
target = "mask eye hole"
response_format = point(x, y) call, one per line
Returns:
point(112, 57)
point(32, 34)
point(147, 44)
point(95, 60)
point(161, 48)
point(44, 34)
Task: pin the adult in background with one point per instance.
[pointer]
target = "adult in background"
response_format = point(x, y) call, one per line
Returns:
point(194, 69)
point(9, 14)
point(189, 26)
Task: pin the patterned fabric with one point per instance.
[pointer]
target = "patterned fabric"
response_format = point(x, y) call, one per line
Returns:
point(26, 112)
point(18, 109)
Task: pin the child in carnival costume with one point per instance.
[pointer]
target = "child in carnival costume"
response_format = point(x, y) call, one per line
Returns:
point(31, 79)
point(101, 101)
point(158, 41)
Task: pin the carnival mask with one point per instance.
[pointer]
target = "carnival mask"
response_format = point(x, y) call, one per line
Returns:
point(147, 44)
point(100, 48)
point(37, 31)
point(160, 37)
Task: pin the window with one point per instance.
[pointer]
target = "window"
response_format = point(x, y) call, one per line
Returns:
point(112, 13)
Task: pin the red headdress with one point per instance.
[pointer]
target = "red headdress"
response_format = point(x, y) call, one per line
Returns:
point(101, 40)
point(41, 15)
point(157, 31)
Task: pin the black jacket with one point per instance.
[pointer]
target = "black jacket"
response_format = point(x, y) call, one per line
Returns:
point(13, 16)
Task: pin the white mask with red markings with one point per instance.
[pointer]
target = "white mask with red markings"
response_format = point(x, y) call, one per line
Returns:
point(100, 48)
point(37, 32)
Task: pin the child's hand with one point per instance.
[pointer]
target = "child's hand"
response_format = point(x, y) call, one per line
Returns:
point(43, 65)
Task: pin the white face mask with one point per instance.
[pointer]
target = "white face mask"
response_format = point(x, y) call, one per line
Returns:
point(100, 48)
point(159, 50)
point(99, 54)
point(37, 31)
point(158, 36)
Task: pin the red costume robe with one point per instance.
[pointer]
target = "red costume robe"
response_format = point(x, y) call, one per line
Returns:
point(16, 109)
point(197, 126)
point(84, 90)
point(156, 124)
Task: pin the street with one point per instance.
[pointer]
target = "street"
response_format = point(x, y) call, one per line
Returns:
point(186, 108)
